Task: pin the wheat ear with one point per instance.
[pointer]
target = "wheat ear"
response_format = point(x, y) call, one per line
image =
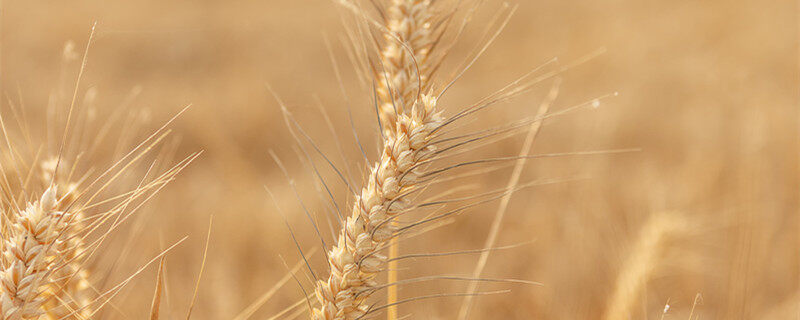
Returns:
point(30, 255)
point(354, 261)
point(408, 40)
point(404, 70)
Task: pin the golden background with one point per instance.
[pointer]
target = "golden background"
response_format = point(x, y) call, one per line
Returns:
point(708, 91)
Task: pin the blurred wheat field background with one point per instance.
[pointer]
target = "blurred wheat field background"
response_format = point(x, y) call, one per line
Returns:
point(704, 218)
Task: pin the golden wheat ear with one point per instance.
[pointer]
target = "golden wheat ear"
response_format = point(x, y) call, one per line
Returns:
point(405, 67)
point(45, 246)
point(59, 209)
point(418, 148)
point(354, 262)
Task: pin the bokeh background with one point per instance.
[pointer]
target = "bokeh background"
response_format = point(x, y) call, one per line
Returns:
point(708, 90)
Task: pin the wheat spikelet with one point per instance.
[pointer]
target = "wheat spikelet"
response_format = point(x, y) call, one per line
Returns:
point(354, 262)
point(404, 70)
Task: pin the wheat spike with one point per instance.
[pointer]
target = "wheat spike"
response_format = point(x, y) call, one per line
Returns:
point(354, 262)
point(408, 40)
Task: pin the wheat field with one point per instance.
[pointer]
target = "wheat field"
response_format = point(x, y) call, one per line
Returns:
point(228, 159)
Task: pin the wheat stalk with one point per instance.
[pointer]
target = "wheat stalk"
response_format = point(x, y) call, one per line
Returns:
point(354, 262)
